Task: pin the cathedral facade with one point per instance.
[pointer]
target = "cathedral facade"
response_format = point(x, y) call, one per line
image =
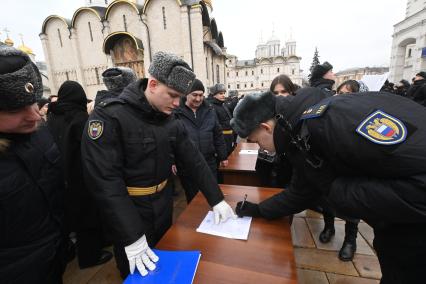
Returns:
point(256, 75)
point(128, 33)
point(408, 55)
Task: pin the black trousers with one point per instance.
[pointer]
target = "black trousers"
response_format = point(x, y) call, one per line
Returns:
point(89, 246)
point(156, 212)
point(401, 249)
point(351, 226)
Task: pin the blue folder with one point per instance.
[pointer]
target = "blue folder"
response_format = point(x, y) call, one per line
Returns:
point(173, 267)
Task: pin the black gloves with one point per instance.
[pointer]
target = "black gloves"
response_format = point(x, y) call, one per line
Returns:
point(249, 209)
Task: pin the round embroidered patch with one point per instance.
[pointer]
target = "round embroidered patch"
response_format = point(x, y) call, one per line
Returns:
point(382, 128)
point(95, 129)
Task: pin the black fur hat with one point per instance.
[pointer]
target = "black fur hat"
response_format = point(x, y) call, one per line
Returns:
point(197, 86)
point(319, 71)
point(117, 78)
point(251, 111)
point(172, 71)
point(20, 80)
point(422, 74)
point(217, 89)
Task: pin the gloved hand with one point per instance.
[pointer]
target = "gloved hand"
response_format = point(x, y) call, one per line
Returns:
point(140, 256)
point(222, 211)
point(249, 209)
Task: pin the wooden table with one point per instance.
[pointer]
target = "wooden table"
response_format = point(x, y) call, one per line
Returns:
point(241, 167)
point(266, 257)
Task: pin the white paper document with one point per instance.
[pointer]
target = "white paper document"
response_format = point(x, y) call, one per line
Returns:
point(248, 152)
point(232, 229)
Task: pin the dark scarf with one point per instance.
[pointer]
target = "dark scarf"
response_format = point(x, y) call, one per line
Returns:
point(71, 100)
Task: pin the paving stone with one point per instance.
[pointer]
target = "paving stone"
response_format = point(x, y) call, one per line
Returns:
point(305, 276)
point(317, 225)
point(300, 234)
point(367, 232)
point(107, 274)
point(74, 275)
point(322, 260)
point(367, 266)
point(343, 279)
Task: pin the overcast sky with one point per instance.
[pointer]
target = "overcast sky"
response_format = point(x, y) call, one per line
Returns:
point(348, 33)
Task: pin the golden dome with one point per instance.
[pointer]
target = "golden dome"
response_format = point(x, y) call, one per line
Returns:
point(9, 42)
point(25, 49)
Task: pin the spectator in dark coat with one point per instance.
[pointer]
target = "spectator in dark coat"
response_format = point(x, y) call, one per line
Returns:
point(417, 91)
point(66, 122)
point(115, 80)
point(217, 99)
point(401, 88)
point(31, 181)
point(204, 131)
point(322, 77)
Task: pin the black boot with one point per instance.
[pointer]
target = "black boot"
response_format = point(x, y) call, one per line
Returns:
point(329, 230)
point(348, 249)
point(104, 257)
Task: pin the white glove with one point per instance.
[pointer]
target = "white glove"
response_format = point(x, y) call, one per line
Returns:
point(141, 256)
point(222, 211)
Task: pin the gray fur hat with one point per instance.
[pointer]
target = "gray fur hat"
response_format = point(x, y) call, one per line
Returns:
point(20, 80)
point(117, 78)
point(217, 89)
point(251, 111)
point(172, 71)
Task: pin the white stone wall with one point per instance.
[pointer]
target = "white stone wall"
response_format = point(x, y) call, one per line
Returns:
point(408, 34)
point(62, 64)
point(83, 60)
point(169, 39)
point(258, 77)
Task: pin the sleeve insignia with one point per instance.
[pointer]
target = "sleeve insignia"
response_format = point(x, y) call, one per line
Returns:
point(382, 128)
point(95, 129)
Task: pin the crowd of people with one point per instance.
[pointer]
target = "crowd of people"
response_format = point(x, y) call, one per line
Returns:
point(78, 175)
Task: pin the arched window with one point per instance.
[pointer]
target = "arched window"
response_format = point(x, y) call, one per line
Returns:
point(90, 32)
point(164, 18)
point(125, 23)
point(59, 37)
point(217, 73)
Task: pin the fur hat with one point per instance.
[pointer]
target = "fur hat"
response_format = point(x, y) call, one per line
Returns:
point(20, 80)
point(252, 110)
point(217, 89)
point(422, 74)
point(319, 71)
point(117, 78)
point(172, 71)
point(197, 86)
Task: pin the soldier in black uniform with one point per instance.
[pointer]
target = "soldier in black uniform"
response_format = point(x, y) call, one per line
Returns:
point(128, 149)
point(31, 179)
point(363, 154)
point(217, 99)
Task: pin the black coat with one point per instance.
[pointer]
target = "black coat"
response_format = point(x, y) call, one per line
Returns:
point(135, 149)
point(205, 132)
point(417, 92)
point(31, 205)
point(359, 178)
point(104, 95)
point(224, 116)
point(324, 85)
point(66, 123)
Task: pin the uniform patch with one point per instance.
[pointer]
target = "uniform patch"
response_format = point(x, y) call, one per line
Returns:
point(382, 128)
point(315, 111)
point(95, 129)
